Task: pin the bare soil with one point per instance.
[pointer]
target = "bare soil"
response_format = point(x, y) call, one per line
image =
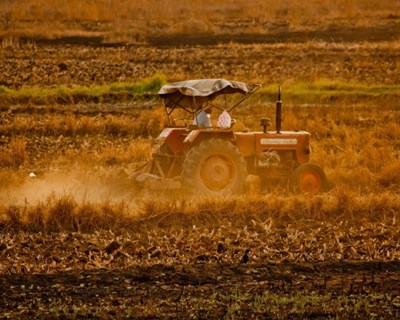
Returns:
point(205, 291)
point(366, 56)
point(331, 33)
point(379, 29)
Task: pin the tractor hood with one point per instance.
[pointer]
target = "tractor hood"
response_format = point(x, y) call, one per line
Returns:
point(192, 94)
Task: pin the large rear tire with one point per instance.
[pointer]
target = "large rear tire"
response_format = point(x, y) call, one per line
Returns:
point(214, 167)
point(309, 179)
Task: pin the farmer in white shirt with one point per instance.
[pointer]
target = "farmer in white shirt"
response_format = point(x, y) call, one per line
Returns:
point(203, 118)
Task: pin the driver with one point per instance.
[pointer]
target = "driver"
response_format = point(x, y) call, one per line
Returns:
point(203, 118)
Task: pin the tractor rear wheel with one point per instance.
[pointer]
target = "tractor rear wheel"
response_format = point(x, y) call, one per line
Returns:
point(214, 167)
point(309, 178)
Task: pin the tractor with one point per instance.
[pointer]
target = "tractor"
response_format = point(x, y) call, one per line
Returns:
point(214, 160)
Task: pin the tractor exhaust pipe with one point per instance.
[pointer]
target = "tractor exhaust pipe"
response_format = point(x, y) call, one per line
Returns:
point(278, 120)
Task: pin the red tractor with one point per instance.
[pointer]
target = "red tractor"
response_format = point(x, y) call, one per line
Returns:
point(213, 160)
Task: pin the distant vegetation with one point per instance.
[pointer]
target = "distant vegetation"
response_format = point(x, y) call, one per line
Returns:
point(100, 93)
point(321, 90)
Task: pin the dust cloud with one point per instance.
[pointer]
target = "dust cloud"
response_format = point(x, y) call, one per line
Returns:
point(82, 186)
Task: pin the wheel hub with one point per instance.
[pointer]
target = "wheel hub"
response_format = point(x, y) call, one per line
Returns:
point(310, 182)
point(217, 172)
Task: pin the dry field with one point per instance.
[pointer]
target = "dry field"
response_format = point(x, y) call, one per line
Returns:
point(208, 21)
point(78, 108)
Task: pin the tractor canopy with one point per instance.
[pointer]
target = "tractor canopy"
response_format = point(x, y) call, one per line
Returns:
point(194, 95)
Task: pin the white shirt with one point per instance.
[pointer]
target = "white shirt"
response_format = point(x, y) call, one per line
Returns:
point(203, 119)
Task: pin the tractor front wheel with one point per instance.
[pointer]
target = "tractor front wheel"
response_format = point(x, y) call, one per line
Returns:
point(309, 178)
point(214, 167)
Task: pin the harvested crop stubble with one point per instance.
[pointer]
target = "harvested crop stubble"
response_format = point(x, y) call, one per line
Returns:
point(134, 21)
point(366, 63)
point(275, 228)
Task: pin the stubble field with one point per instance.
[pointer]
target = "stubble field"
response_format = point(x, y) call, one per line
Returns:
point(76, 243)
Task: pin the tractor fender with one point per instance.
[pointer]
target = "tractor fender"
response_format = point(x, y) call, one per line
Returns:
point(196, 136)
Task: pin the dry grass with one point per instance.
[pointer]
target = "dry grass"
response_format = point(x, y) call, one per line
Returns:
point(358, 145)
point(154, 10)
point(64, 213)
point(68, 124)
point(15, 155)
point(339, 225)
point(134, 20)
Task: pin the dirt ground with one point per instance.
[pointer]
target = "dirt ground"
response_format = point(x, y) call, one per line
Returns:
point(214, 291)
point(367, 56)
point(120, 285)
point(103, 275)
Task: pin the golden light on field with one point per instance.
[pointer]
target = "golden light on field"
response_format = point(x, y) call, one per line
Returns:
point(79, 117)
